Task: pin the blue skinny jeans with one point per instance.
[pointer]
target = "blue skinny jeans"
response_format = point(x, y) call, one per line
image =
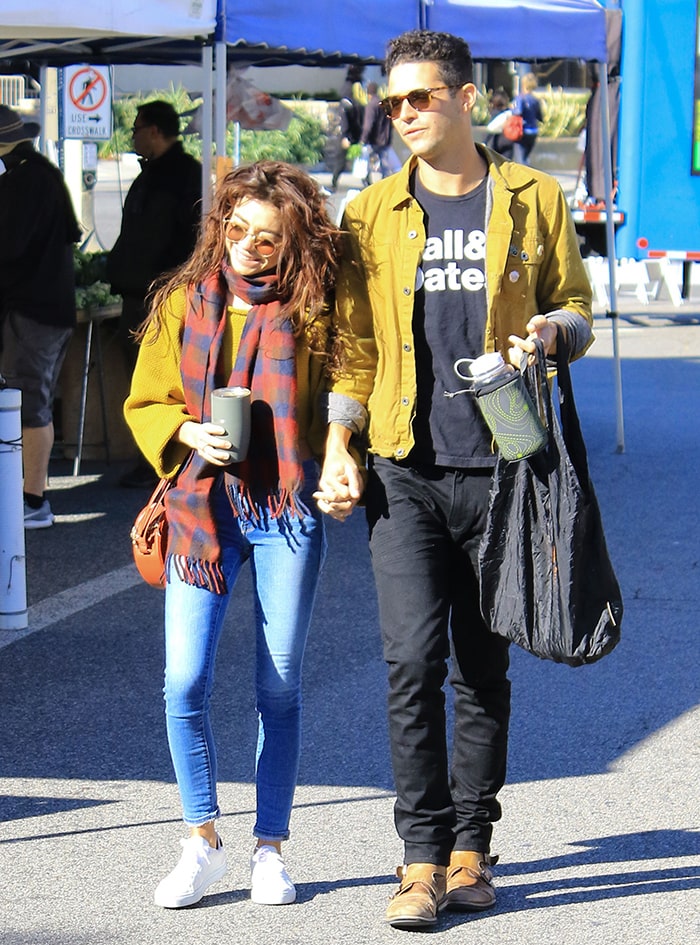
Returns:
point(286, 556)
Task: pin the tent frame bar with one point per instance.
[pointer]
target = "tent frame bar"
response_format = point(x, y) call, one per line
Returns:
point(612, 262)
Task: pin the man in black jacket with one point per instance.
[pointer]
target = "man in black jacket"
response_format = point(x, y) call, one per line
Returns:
point(37, 295)
point(159, 227)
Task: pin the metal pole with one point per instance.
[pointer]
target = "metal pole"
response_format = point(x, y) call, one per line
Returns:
point(610, 240)
point(220, 101)
point(207, 94)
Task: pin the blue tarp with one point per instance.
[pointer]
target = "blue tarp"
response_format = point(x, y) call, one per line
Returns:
point(524, 29)
point(495, 29)
point(283, 30)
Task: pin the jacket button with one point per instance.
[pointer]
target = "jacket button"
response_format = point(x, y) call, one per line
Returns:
point(406, 347)
point(404, 401)
point(400, 451)
point(412, 234)
point(406, 290)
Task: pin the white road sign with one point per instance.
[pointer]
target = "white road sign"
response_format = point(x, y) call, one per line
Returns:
point(87, 102)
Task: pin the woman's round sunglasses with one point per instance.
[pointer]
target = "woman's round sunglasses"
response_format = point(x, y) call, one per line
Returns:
point(263, 244)
point(418, 99)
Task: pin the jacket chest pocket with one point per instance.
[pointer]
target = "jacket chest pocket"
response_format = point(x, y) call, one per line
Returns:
point(522, 265)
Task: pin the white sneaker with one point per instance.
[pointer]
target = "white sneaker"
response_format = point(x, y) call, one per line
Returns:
point(270, 882)
point(42, 517)
point(200, 865)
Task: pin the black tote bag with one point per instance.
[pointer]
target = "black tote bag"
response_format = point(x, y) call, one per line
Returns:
point(547, 583)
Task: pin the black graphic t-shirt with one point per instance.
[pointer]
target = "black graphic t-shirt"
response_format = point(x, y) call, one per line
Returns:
point(449, 322)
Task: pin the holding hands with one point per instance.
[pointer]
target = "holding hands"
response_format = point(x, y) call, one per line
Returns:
point(340, 485)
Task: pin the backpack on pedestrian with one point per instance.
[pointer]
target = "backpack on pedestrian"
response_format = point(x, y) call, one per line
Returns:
point(353, 115)
point(513, 128)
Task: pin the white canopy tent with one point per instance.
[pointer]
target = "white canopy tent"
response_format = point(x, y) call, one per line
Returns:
point(34, 22)
point(44, 33)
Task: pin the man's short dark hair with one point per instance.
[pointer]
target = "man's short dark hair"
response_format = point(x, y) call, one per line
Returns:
point(451, 54)
point(162, 115)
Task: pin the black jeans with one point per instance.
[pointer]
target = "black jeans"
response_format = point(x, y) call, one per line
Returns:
point(425, 526)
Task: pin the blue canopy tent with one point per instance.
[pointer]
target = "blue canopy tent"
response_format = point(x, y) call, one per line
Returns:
point(495, 29)
point(315, 31)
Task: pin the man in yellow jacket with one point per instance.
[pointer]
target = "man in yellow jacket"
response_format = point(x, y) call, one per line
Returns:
point(458, 254)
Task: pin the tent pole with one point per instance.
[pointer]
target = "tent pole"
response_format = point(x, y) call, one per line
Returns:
point(44, 110)
point(610, 241)
point(207, 62)
point(220, 101)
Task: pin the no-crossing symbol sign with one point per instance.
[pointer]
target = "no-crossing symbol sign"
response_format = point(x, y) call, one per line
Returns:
point(87, 102)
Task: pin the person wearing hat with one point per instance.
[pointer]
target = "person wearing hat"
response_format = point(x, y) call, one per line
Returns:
point(37, 294)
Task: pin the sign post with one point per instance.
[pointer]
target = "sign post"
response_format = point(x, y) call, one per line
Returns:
point(87, 103)
point(85, 113)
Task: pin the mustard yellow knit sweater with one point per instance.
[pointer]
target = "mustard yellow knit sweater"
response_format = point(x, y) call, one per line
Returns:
point(155, 408)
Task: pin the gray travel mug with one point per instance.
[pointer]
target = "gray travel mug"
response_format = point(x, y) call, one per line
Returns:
point(230, 408)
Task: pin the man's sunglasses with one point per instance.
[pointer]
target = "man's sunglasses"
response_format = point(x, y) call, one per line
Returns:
point(418, 99)
point(235, 232)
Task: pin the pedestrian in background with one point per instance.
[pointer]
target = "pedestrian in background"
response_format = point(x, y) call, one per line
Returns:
point(528, 106)
point(249, 309)
point(37, 295)
point(159, 228)
point(460, 253)
point(500, 111)
point(376, 136)
point(348, 127)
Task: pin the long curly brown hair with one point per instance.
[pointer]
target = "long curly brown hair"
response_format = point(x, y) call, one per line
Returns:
point(310, 248)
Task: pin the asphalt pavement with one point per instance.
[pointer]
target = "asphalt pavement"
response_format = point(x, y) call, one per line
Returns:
point(599, 839)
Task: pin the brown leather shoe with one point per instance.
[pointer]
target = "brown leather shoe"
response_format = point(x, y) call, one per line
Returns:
point(469, 887)
point(420, 893)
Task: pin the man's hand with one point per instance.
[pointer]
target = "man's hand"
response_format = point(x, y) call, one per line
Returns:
point(340, 485)
point(538, 327)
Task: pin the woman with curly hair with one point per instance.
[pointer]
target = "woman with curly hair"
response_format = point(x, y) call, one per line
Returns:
point(250, 308)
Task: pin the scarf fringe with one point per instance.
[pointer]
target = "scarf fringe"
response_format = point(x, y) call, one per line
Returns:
point(276, 504)
point(205, 574)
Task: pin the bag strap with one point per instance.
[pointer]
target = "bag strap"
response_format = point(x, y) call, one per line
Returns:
point(153, 507)
point(570, 424)
point(536, 376)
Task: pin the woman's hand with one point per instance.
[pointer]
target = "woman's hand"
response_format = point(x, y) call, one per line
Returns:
point(539, 327)
point(207, 439)
point(340, 485)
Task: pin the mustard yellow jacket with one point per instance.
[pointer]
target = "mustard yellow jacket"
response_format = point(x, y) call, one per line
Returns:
point(155, 408)
point(533, 266)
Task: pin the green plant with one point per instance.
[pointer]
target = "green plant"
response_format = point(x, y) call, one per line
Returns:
point(480, 112)
point(89, 267)
point(301, 143)
point(564, 112)
point(124, 113)
point(91, 287)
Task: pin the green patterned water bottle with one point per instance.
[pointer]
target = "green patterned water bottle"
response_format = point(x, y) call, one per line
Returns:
point(507, 407)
